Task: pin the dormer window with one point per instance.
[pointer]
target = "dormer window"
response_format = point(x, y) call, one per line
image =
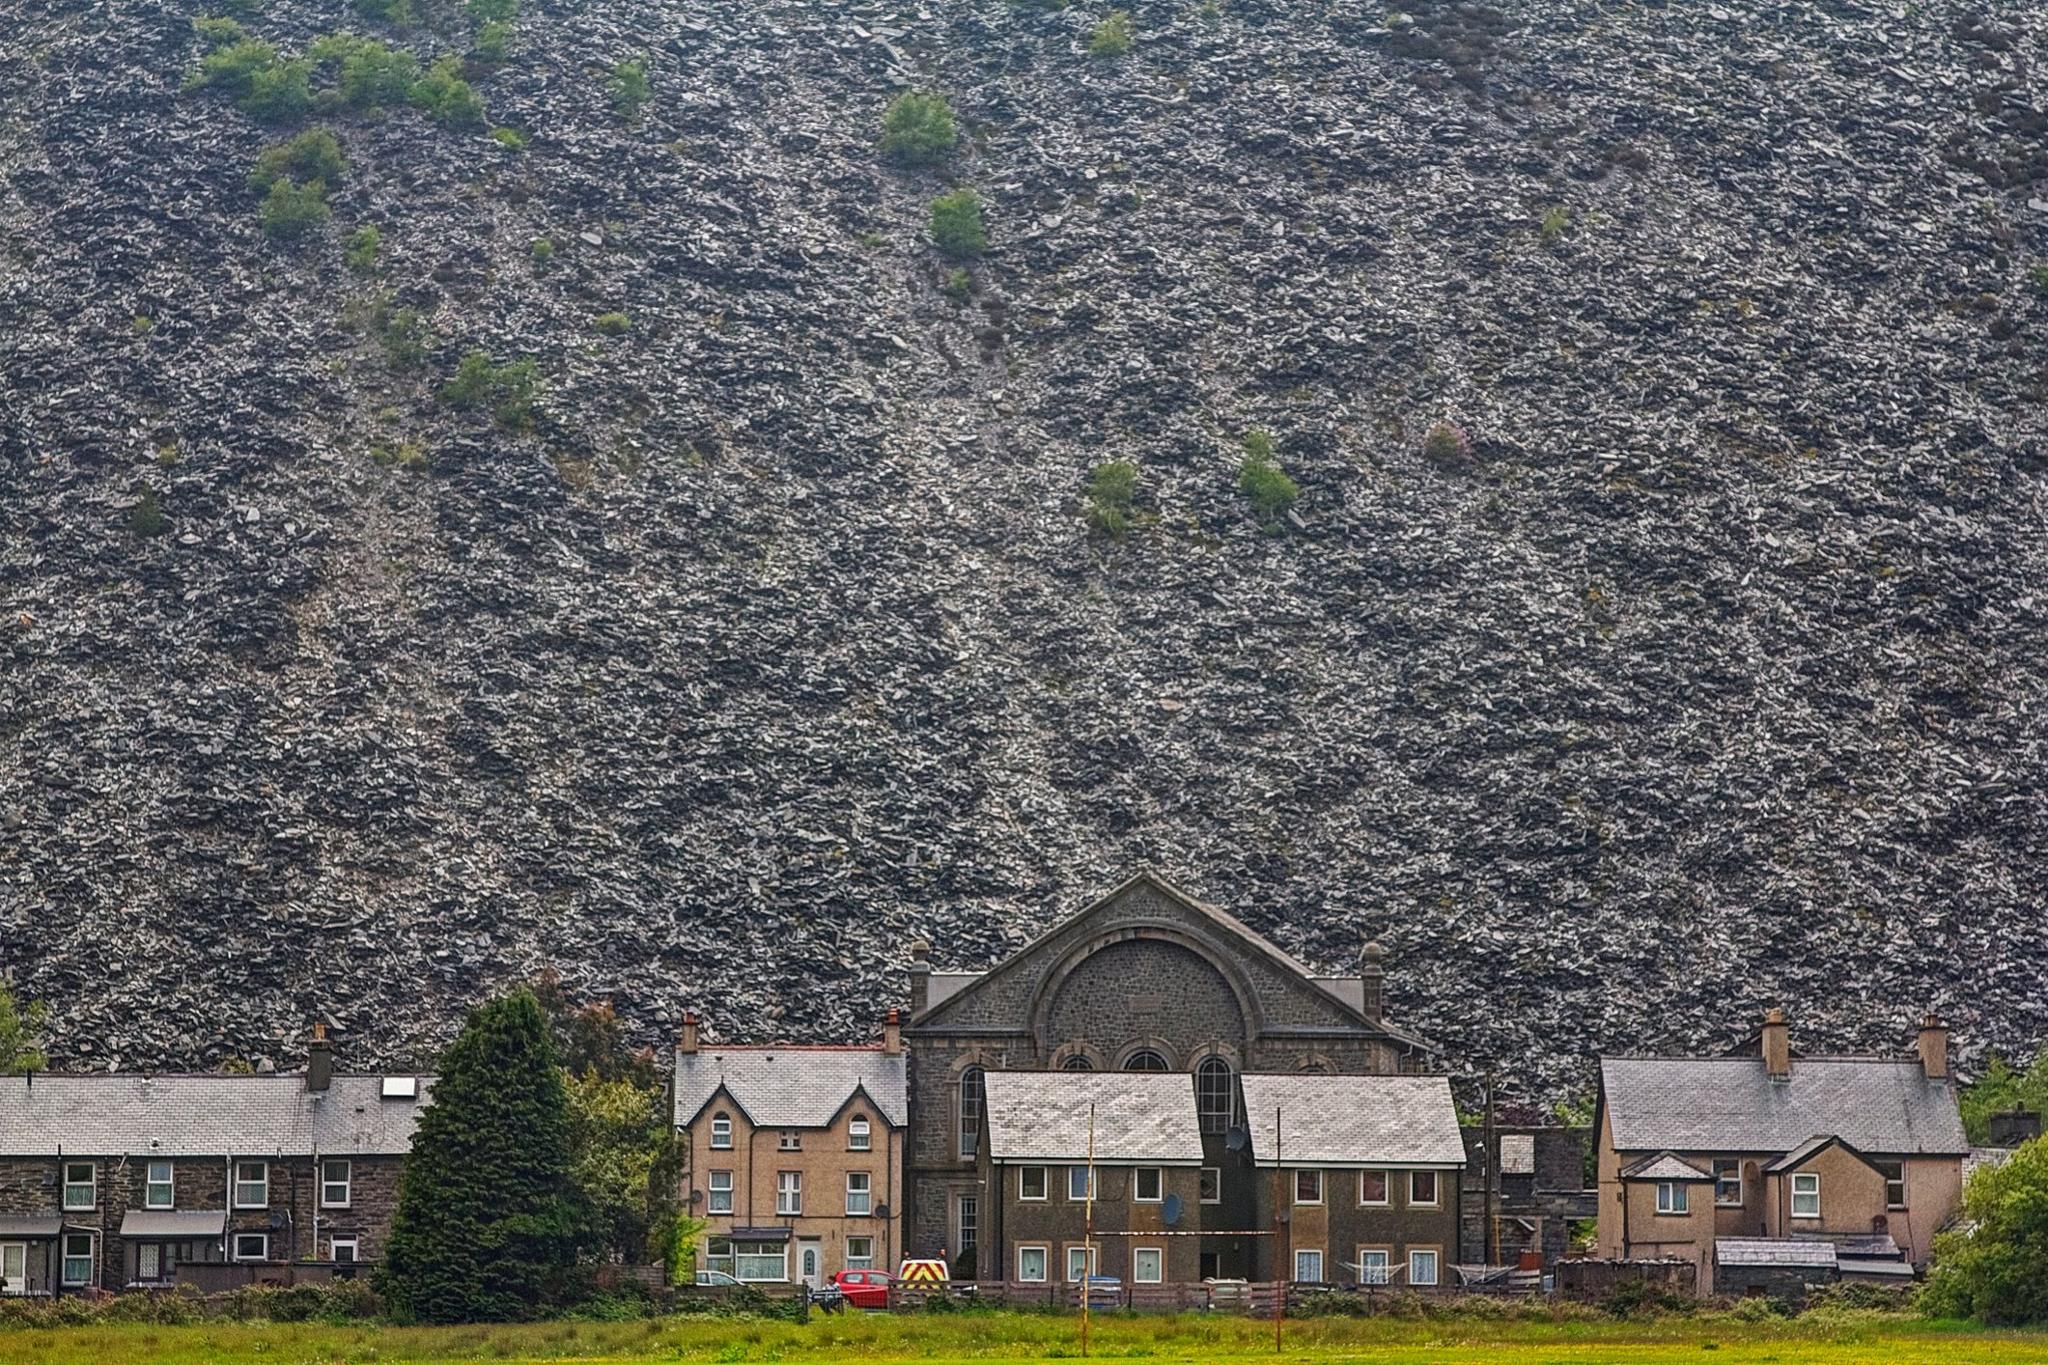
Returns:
point(859, 1138)
point(721, 1130)
point(1806, 1196)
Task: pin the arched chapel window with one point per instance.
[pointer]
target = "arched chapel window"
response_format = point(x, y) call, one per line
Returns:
point(1145, 1059)
point(1215, 1100)
point(1078, 1062)
point(971, 1091)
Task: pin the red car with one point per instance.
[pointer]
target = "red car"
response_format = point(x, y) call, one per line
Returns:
point(865, 1288)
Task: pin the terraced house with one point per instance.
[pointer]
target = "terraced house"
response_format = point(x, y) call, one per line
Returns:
point(117, 1181)
point(793, 1155)
point(1768, 1168)
point(1152, 983)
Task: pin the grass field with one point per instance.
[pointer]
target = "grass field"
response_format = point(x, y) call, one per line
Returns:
point(1845, 1339)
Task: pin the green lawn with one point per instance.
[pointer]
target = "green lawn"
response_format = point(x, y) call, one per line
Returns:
point(1842, 1340)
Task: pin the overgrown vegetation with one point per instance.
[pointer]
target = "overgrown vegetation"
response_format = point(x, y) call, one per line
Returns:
point(23, 1028)
point(367, 74)
point(1995, 1267)
point(1264, 484)
point(292, 210)
point(543, 250)
point(612, 324)
point(956, 225)
point(1112, 488)
point(397, 13)
point(1112, 37)
point(445, 96)
point(1556, 221)
point(146, 517)
point(509, 391)
point(484, 1225)
point(2000, 1090)
point(263, 85)
point(629, 88)
point(313, 155)
point(359, 254)
point(409, 456)
point(1447, 443)
point(918, 129)
point(402, 334)
point(511, 139)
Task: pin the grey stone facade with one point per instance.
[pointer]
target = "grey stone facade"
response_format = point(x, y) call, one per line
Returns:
point(1145, 968)
point(295, 1225)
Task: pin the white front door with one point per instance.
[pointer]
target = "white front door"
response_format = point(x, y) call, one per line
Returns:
point(14, 1267)
point(810, 1262)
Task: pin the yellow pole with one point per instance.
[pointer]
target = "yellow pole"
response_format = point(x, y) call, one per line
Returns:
point(1088, 1235)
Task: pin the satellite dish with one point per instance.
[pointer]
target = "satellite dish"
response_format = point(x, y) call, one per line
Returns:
point(1171, 1210)
point(881, 1210)
point(1237, 1139)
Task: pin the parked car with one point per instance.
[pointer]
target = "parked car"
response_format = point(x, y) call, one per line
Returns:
point(864, 1288)
point(708, 1279)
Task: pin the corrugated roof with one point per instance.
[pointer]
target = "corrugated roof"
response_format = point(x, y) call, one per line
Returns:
point(1140, 1117)
point(173, 1223)
point(791, 1087)
point(129, 1113)
point(1729, 1104)
point(1663, 1166)
point(1354, 1120)
point(1764, 1251)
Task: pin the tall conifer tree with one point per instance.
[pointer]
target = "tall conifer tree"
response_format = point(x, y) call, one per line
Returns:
point(484, 1221)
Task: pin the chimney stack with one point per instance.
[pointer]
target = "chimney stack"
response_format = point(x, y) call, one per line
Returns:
point(892, 1032)
point(920, 976)
point(319, 1060)
point(1373, 977)
point(1934, 1047)
point(688, 1042)
point(1777, 1046)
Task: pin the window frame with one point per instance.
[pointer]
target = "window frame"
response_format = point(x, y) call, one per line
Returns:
point(1885, 1169)
point(1024, 1194)
point(967, 1112)
point(145, 1273)
point(355, 1250)
point(865, 1194)
point(238, 1183)
point(781, 1258)
point(236, 1240)
point(65, 1256)
point(790, 1140)
point(860, 1260)
point(1436, 1190)
point(721, 1132)
point(328, 1182)
point(1723, 1177)
point(1158, 1174)
point(1089, 1182)
point(1148, 1055)
point(1159, 1278)
point(1674, 1200)
point(1386, 1265)
point(1299, 1173)
point(1798, 1194)
point(1386, 1199)
point(1044, 1262)
point(789, 1201)
point(1320, 1276)
point(91, 1186)
point(1092, 1261)
point(150, 1184)
point(1436, 1267)
point(712, 1192)
point(1210, 1177)
point(860, 1134)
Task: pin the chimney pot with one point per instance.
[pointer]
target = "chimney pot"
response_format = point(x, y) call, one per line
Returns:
point(892, 1032)
point(1777, 1046)
point(319, 1060)
point(688, 1042)
point(1934, 1047)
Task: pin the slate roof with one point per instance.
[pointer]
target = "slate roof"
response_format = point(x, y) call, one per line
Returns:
point(124, 1113)
point(1807, 1151)
point(1141, 1117)
point(1664, 1166)
point(1729, 1104)
point(1353, 1120)
point(1765, 1251)
point(791, 1087)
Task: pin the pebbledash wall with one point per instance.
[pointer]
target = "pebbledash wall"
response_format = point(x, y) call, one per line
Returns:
point(1144, 968)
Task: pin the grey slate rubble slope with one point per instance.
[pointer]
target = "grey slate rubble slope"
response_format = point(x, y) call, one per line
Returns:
point(1713, 679)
